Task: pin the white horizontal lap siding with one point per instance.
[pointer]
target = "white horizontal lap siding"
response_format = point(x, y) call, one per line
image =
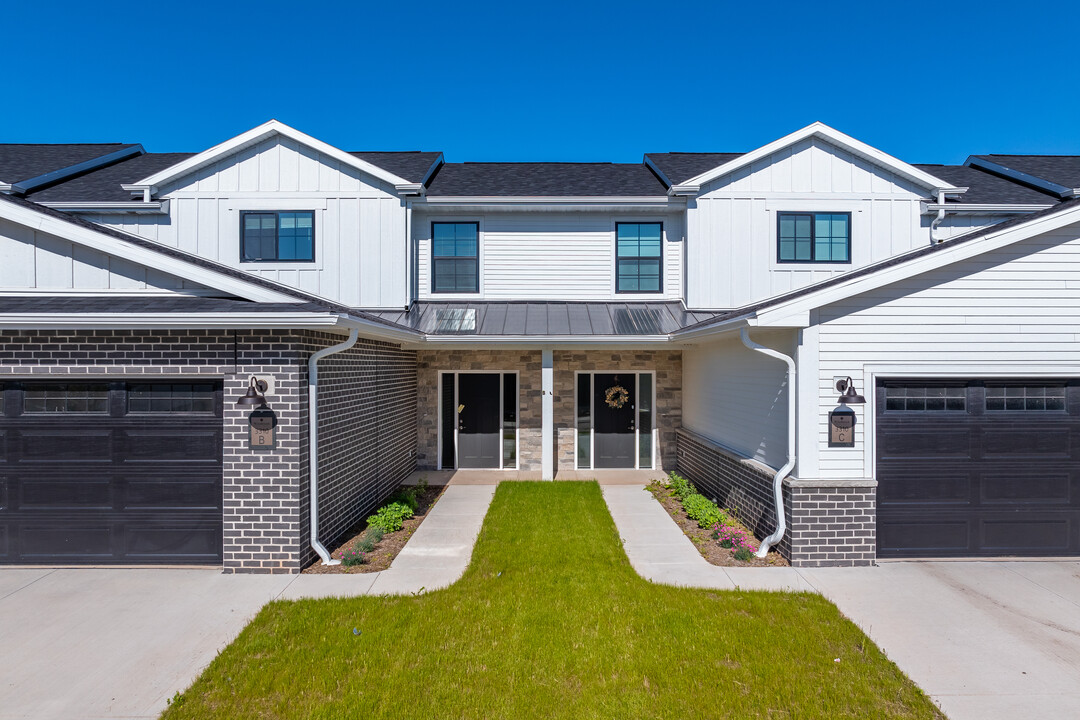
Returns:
point(551, 256)
point(731, 227)
point(360, 238)
point(31, 259)
point(737, 397)
point(1010, 311)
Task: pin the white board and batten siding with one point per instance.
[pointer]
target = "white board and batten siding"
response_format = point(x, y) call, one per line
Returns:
point(35, 260)
point(732, 225)
point(1011, 312)
point(550, 255)
point(361, 241)
point(737, 397)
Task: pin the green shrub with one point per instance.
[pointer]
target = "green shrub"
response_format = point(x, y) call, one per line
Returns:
point(367, 541)
point(680, 486)
point(407, 496)
point(744, 555)
point(389, 518)
point(704, 510)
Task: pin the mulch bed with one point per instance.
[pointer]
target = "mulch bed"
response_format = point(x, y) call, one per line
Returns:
point(702, 537)
point(386, 549)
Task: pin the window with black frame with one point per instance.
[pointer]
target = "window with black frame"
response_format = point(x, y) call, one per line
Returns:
point(807, 237)
point(277, 236)
point(455, 257)
point(638, 257)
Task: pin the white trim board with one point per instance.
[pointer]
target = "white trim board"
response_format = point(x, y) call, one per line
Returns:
point(835, 137)
point(253, 137)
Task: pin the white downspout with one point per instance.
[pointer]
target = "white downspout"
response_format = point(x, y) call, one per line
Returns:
point(778, 479)
point(939, 219)
point(313, 438)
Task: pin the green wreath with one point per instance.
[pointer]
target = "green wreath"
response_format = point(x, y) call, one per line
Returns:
point(616, 396)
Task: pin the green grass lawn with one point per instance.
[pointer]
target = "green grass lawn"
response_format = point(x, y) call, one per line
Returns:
point(568, 630)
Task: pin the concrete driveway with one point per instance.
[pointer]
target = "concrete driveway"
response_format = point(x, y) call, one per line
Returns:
point(985, 639)
point(90, 643)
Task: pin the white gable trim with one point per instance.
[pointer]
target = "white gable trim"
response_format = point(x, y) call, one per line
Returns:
point(110, 245)
point(253, 137)
point(782, 312)
point(861, 149)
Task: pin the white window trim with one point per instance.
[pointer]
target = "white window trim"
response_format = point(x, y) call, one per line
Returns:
point(427, 249)
point(665, 256)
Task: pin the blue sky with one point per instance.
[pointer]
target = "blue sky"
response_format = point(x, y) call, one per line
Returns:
point(553, 81)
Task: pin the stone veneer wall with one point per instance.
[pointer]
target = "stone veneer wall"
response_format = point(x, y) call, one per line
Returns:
point(429, 363)
point(265, 495)
point(667, 415)
point(829, 524)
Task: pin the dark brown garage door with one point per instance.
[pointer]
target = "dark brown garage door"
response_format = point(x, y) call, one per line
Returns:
point(978, 468)
point(111, 472)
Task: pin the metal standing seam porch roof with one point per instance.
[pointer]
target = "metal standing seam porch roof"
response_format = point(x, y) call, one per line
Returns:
point(545, 319)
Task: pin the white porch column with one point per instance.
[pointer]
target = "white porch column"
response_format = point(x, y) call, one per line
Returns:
point(547, 434)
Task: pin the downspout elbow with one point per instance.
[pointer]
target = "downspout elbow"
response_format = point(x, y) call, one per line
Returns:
point(313, 438)
point(936, 222)
point(778, 478)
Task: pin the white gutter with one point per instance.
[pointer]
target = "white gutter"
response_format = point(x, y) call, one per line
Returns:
point(778, 479)
point(313, 438)
point(79, 321)
point(156, 207)
point(980, 208)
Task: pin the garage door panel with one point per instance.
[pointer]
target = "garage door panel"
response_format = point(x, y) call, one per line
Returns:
point(1039, 443)
point(1017, 487)
point(1017, 492)
point(909, 442)
point(900, 486)
point(78, 445)
point(114, 487)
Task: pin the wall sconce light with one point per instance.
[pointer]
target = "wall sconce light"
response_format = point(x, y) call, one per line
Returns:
point(254, 394)
point(848, 395)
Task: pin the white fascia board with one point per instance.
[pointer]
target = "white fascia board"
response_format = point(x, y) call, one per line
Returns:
point(255, 136)
point(545, 341)
point(5, 187)
point(76, 321)
point(379, 331)
point(983, 208)
point(154, 207)
point(917, 266)
point(143, 256)
point(539, 202)
point(836, 138)
point(30, 184)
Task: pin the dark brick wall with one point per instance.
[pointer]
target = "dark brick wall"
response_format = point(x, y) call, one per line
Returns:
point(732, 483)
point(367, 431)
point(368, 416)
point(832, 526)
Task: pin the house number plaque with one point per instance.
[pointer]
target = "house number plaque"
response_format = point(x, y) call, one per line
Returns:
point(842, 427)
point(262, 430)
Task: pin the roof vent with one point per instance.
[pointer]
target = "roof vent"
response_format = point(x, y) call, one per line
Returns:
point(455, 320)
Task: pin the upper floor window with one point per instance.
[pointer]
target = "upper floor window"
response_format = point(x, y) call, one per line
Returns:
point(455, 257)
point(638, 256)
point(277, 236)
point(814, 237)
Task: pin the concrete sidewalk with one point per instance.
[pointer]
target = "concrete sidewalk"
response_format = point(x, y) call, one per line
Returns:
point(435, 556)
point(986, 640)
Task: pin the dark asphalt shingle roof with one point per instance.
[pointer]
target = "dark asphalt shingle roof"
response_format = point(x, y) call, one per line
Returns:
point(543, 319)
point(412, 166)
point(60, 304)
point(545, 179)
point(679, 167)
point(22, 161)
point(103, 185)
point(1060, 169)
point(984, 187)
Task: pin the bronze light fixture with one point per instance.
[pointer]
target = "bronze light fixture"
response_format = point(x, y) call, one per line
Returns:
point(254, 394)
point(848, 395)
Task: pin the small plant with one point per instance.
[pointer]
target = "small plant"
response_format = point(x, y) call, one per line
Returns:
point(744, 555)
point(352, 556)
point(731, 536)
point(704, 510)
point(680, 486)
point(368, 540)
point(390, 518)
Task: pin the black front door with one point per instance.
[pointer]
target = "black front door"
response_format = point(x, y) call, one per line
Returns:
point(478, 420)
point(614, 410)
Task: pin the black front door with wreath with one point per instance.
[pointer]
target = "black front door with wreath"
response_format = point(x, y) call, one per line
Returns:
point(614, 409)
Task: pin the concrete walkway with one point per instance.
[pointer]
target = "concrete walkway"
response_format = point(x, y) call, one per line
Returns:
point(985, 640)
point(118, 642)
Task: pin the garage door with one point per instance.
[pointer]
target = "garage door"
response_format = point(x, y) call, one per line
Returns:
point(978, 468)
point(111, 472)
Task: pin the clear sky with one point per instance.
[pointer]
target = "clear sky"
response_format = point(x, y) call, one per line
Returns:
point(511, 80)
